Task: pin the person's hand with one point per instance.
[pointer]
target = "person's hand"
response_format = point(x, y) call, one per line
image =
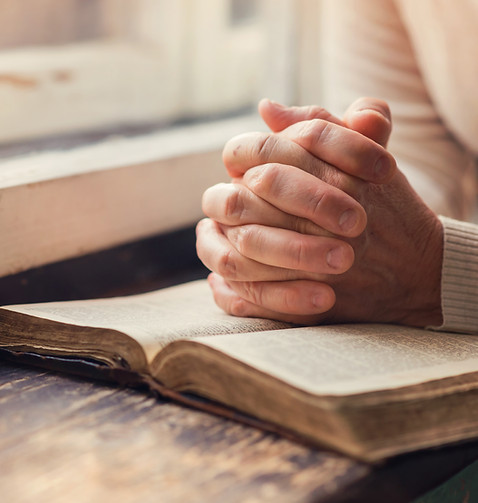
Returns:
point(273, 241)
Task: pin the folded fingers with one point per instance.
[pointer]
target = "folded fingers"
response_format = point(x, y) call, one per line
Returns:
point(282, 196)
point(255, 148)
point(236, 204)
point(301, 194)
point(299, 302)
point(347, 150)
point(325, 149)
point(219, 255)
point(289, 249)
point(259, 253)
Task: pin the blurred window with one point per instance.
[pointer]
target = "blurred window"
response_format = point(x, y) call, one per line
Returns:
point(69, 66)
point(114, 112)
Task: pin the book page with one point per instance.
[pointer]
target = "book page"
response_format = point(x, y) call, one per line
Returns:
point(345, 359)
point(153, 319)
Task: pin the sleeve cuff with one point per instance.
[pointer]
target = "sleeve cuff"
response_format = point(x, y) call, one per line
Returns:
point(459, 283)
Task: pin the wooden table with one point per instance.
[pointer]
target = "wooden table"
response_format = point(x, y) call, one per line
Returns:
point(71, 439)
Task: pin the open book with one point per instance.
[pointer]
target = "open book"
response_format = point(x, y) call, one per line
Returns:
point(370, 391)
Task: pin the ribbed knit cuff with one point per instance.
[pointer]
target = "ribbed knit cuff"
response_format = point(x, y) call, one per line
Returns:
point(459, 277)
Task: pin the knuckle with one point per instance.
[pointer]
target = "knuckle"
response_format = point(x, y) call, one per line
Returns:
point(318, 200)
point(302, 225)
point(318, 112)
point(237, 307)
point(252, 292)
point(233, 205)
point(289, 300)
point(266, 180)
point(243, 238)
point(226, 265)
point(297, 252)
point(318, 131)
point(382, 107)
point(366, 153)
point(264, 147)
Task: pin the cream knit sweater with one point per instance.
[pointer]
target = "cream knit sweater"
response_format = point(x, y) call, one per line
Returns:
point(421, 56)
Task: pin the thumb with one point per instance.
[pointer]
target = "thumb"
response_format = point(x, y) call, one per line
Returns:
point(278, 117)
point(370, 117)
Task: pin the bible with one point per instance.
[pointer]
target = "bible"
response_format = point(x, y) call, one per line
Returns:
point(369, 391)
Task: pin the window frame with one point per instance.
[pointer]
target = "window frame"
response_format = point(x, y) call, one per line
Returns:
point(60, 204)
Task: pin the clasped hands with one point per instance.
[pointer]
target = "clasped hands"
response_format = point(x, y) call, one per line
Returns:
point(318, 225)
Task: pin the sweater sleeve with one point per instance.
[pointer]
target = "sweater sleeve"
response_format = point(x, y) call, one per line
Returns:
point(367, 51)
point(377, 48)
point(459, 277)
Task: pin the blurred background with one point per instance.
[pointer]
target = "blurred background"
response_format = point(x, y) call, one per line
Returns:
point(76, 66)
point(113, 116)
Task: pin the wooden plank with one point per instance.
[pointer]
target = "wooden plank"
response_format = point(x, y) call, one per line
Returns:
point(63, 204)
point(94, 442)
point(146, 265)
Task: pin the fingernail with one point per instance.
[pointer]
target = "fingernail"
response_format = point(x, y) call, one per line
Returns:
point(335, 258)
point(382, 168)
point(348, 220)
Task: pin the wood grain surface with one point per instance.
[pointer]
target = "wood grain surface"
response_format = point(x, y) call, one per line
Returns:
point(64, 436)
point(68, 439)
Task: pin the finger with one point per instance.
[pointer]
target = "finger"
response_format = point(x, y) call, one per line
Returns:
point(343, 148)
point(288, 297)
point(278, 116)
point(253, 149)
point(233, 304)
point(248, 150)
point(220, 256)
point(235, 204)
point(326, 150)
point(299, 193)
point(370, 117)
point(290, 250)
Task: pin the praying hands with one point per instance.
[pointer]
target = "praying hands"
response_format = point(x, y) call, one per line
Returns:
point(318, 225)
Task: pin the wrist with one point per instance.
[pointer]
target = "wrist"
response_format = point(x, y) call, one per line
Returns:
point(426, 295)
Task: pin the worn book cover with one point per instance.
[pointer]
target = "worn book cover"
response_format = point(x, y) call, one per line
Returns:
point(371, 391)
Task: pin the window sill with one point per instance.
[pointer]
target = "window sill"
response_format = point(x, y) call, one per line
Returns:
point(66, 203)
